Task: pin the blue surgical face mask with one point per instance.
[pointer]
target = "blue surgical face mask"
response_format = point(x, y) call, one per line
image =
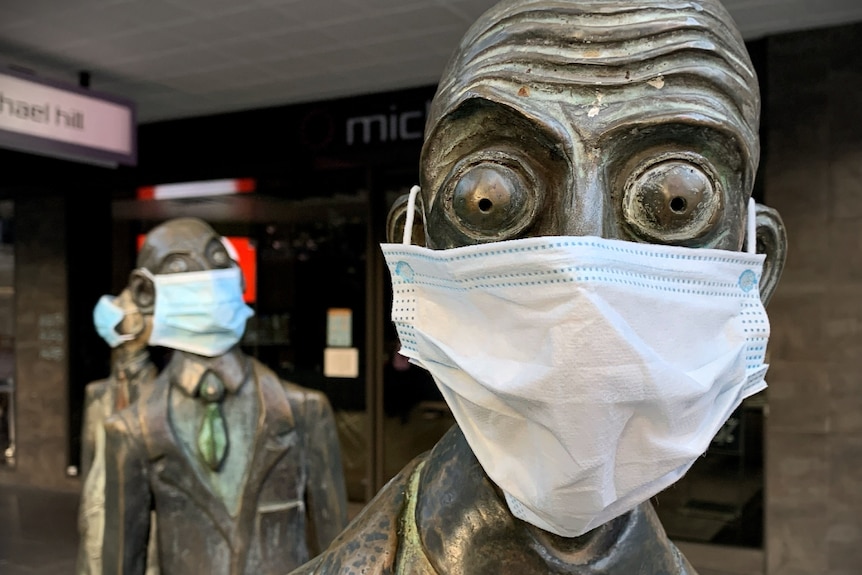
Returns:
point(107, 317)
point(199, 312)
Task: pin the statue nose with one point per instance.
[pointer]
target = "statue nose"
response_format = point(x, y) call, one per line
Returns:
point(582, 212)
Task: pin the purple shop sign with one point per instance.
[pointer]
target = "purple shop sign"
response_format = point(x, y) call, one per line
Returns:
point(63, 121)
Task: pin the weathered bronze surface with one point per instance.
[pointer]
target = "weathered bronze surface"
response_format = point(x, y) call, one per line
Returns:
point(131, 369)
point(634, 120)
point(277, 498)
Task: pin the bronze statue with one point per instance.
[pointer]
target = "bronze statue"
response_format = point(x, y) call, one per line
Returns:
point(623, 132)
point(242, 469)
point(126, 330)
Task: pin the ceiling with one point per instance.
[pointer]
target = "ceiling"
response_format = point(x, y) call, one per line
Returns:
point(181, 58)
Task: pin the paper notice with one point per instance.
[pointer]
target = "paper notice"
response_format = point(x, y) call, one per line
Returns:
point(341, 362)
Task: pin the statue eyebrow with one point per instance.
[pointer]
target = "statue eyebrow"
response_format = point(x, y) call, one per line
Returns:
point(548, 132)
point(596, 45)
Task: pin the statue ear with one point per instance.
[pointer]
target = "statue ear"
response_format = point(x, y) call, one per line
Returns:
point(772, 241)
point(398, 218)
point(143, 291)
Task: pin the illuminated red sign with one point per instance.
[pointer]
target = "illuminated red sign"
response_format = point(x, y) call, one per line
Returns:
point(203, 189)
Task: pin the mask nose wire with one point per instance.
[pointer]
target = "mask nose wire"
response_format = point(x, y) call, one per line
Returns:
point(411, 210)
point(751, 231)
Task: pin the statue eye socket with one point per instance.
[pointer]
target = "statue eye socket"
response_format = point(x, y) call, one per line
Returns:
point(217, 255)
point(490, 199)
point(672, 200)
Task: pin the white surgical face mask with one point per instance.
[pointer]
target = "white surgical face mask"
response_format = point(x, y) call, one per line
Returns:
point(199, 312)
point(586, 374)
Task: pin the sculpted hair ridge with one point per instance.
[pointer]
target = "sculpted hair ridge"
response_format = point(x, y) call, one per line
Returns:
point(561, 44)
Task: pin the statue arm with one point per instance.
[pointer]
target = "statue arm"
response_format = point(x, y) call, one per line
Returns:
point(326, 494)
point(92, 418)
point(127, 502)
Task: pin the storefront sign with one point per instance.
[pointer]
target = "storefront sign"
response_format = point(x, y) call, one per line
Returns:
point(65, 121)
point(360, 124)
point(394, 126)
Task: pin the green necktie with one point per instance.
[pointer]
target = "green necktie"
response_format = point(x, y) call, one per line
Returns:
point(212, 437)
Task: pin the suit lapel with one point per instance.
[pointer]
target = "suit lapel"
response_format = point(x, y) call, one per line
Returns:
point(171, 463)
point(276, 433)
point(275, 436)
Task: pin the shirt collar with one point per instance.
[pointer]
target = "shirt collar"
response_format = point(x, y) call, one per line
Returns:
point(187, 369)
point(133, 366)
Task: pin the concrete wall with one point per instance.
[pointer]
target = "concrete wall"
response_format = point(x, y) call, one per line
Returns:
point(814, 430)
point(41, 346)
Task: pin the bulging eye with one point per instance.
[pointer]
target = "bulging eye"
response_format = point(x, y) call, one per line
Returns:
point(491, 200)
point(217, 254)
point(672, 200)
point(175, 264)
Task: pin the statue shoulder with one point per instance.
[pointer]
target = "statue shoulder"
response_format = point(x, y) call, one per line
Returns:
point(147, 411)
point(305, 399)
point(95, 390)
point(268, 377)
point(313, 400)
point(369, 544)
point(306, 403)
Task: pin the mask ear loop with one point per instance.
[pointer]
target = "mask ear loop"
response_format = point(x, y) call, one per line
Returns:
point(411, 210)
point(751, 231)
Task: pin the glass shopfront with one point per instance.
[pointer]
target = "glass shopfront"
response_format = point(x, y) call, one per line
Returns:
point(720, 500)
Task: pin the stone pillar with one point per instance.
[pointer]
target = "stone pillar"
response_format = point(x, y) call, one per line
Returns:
point(813, 177)
point(41, 345)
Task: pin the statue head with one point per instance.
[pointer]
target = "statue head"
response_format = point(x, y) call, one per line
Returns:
point(626, 120)
point(121, 324)
point(176, 246)
point(192, 285)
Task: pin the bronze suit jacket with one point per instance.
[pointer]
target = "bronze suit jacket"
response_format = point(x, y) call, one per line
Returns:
point(293, 497)
point(100, 402)
point(442, 515)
